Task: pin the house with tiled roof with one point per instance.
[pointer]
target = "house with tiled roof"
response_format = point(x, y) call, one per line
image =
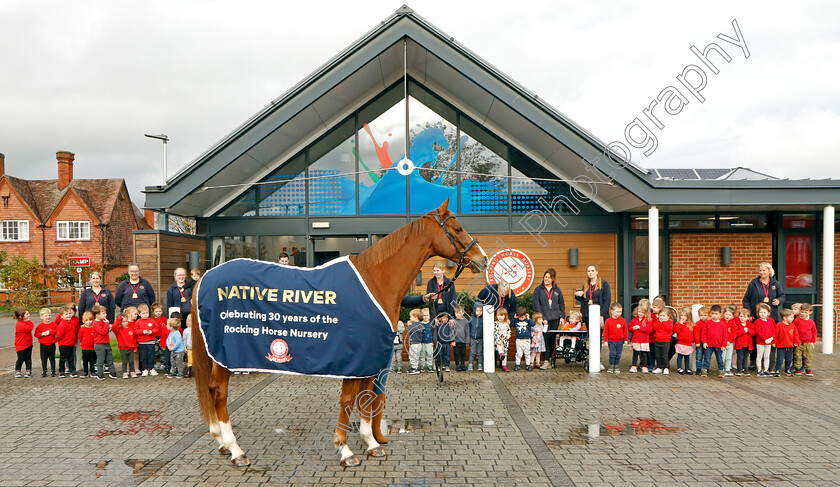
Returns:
point(53, 219)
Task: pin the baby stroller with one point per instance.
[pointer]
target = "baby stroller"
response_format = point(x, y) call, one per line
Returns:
point(572, 354)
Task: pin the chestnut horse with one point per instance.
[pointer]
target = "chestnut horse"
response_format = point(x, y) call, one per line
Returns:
point(387, 268)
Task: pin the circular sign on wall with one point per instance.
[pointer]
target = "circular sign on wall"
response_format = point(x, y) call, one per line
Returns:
point(512, 266)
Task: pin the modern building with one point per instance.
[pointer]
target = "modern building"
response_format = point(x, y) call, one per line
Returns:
point(53, 219)
point(307, 175)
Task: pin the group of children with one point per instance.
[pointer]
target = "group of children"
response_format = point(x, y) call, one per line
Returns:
point(725, 332)
point(138, 331)
point(458, 333)
point(728, 334)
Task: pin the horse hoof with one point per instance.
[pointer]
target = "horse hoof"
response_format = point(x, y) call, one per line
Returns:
point(376, 452)
point(350, 461)
point(224, 451)
point(241, 461)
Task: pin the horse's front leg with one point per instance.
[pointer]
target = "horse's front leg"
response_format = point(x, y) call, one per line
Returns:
point(367, 403)
point(223, 431)
point(349, 391)
point(378, 409)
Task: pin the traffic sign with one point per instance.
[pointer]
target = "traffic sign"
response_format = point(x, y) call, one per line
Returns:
point(80, 262)
point(79, 270)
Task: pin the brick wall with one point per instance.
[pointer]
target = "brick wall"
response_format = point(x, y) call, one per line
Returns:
point(119, 243)
point(17, 210)
point(72, 210)
point(697, 276)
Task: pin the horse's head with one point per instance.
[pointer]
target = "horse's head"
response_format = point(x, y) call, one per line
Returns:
point(453, 242)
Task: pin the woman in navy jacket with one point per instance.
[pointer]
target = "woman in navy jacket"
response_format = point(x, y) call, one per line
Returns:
point(96, 294)
point(548, 301)
point(765, 289)
point(445, 303)
point(595, 291)
point(499, 296)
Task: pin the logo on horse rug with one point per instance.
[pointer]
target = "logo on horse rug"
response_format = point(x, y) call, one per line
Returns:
point(260, 316)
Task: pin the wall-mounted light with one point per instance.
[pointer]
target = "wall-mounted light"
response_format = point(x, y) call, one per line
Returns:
point(573, 257)
point(450, 263)
point(725, 255)
point(419, 280)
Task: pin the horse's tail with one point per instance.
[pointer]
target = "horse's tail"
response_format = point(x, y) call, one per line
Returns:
point(202, 366)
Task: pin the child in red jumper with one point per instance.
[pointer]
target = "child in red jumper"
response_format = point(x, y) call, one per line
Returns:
point(765, 334)
point(102, 343)
point(715, 337)
point(45, 332)
point(615, 336)
point(787, 338)
point(808, 337)
point(732, 334)
point(124, 330)
point(641, 326)
point(684, 328)
point(744, 341)
point(161, 353)
point(662, 331)
point(145, 330)
point(66, 337)
point(23, 342)
point(86, 344)
point(703, 314)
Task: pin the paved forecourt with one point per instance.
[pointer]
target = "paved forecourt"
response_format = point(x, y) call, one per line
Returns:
point(538, 428)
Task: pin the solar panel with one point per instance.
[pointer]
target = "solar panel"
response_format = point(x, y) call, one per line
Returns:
point(677, 173)
point(712, 173)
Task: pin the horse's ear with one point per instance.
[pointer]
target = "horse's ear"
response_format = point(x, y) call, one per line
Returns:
point(444, 208)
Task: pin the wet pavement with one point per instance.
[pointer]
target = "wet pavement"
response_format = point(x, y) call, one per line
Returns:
point(537, 428)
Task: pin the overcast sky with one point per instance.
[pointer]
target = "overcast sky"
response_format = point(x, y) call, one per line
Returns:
point(92, 77)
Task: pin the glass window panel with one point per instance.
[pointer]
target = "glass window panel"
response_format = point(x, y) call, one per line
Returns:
point(538, 194)
point(332, 179)
point(434, 151)
point(284, 192)
point(237, 247)
point(641, 273)
point(743, 222)
point(799, 261)
point(805, 220)
point(245, 205)
point(691, 222)
point(382, 146)
point(484, 184)
point(295, 247)
point(641, 222)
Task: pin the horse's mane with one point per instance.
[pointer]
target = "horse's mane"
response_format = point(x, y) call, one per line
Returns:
point(391, 244)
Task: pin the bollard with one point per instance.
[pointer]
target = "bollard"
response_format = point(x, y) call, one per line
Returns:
point(594, 326)
point(489, 345)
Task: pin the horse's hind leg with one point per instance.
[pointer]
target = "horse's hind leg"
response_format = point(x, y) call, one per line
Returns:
point(222, 430)
point(349, 390)
point(378, 408)
point(367, 403)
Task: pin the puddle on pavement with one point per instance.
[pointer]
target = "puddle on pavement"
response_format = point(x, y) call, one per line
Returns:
point(409, 425)
point(135, 422)
point(141, 470)
point(585, 434)
point(750, 478)
point(422, 481)
point(288, 431)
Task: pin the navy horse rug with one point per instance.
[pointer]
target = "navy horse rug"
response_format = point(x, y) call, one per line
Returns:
point(266, 317)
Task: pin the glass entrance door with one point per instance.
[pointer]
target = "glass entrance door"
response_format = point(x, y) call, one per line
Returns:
point(327, 248)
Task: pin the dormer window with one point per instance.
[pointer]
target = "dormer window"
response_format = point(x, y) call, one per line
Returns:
point(71, 230)
point(14, 230)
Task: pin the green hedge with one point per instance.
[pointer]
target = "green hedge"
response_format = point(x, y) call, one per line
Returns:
point(526, 300)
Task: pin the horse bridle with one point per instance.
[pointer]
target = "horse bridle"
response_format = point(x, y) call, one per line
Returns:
point(462, 250)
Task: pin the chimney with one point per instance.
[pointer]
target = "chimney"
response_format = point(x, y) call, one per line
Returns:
point(65, 167)
point(2, 165)
point(150, 217)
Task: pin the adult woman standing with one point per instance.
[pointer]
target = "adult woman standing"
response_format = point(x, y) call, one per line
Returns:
point(548, 300)
point(179, 295)
point(595, 291)
point(444, 301)
point(764, 289)
point(135, 290)
point(96, 294)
